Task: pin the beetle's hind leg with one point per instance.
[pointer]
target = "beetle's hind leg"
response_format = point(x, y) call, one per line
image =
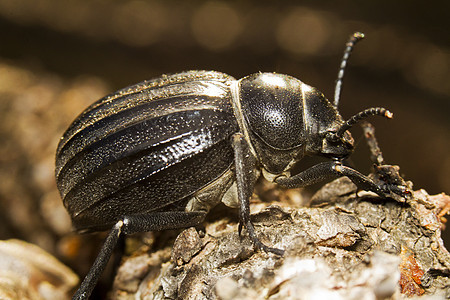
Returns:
point(132, 224)
point(245, 164)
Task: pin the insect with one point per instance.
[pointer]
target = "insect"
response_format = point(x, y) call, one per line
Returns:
point(159, 154)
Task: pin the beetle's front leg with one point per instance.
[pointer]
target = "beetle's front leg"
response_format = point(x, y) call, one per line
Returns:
point(245, 165)
point(333, 169)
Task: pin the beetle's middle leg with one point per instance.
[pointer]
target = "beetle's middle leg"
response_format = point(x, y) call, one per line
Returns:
point(245, 164)
point(132, 224)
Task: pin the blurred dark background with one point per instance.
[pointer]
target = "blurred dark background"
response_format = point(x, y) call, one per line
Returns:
point(57, 57)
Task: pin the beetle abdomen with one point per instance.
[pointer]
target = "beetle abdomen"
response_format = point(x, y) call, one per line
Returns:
point(146, 147)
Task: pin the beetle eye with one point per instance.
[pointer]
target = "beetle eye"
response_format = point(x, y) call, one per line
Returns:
point(331, 136)
point(333, 139)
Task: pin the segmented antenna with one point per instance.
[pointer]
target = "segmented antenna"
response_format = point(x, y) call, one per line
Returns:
point(354, 38)
point(374, 111)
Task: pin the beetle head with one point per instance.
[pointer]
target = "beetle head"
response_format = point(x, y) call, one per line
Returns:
point(337, 147)
point(339, 143)
point(287, 119)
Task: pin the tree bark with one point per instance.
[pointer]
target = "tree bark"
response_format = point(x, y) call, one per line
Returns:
point(343, 245)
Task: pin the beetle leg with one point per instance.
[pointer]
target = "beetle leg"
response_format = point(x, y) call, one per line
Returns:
point(361, 181)
point(314, 174)
point(91, 279)
point(162, 221)
point(335, 169)
point(133, 224)
point(245, 164)
point(365, 183)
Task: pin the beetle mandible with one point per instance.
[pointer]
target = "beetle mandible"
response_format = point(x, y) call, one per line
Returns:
point(159, 154)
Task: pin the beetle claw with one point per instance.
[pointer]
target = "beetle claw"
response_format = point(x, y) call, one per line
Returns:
point(398, 190)
point(258, 244)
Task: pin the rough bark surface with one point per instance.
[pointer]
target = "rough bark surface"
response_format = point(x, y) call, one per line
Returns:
point(343, 245)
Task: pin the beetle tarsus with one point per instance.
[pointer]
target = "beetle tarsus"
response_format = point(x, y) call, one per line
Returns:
point(258, 244)
point(393, 182)
point(400, 190)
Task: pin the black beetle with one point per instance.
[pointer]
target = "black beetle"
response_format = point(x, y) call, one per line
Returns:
point(159, 154)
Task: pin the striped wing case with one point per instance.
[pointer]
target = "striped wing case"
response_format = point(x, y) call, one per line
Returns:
point(146, 148)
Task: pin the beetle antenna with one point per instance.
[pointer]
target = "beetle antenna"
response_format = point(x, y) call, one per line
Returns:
point(373, 111)
point(354, 38)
